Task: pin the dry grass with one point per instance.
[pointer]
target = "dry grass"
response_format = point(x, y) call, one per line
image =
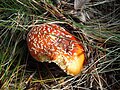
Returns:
point(100, 36)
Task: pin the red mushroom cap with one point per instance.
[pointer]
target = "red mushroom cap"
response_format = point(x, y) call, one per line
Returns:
point(52, 43)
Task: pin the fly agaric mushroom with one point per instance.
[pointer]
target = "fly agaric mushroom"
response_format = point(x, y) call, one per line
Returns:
point(52, 43)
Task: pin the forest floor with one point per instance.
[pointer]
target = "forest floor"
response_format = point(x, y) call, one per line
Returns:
point(96, 25)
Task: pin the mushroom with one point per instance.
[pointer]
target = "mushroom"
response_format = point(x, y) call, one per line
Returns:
point(52, 43)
